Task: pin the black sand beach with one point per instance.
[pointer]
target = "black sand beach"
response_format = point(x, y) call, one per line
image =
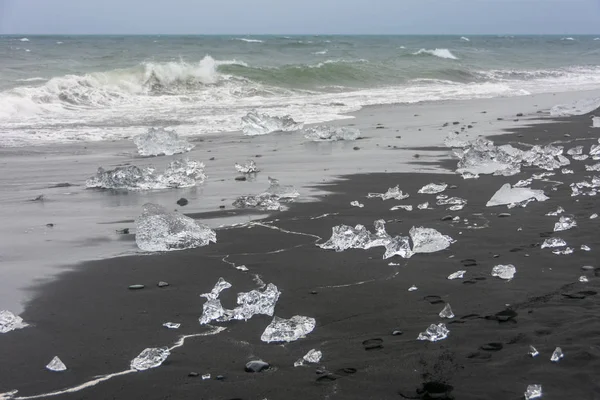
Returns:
point(90, 319)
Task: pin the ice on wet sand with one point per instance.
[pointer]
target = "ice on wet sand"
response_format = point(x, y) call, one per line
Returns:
point(10, 322)
point(564, 223)
point(447, 312)
point(288, 330)
point(312, 357)
point(159, 230)
point(326, 133)
point(271, 199)
point(428, 240)
point(433, 188)
point(506, 272)
point(254, 124)
point(150, 358)
point(392, 193)
point(553, 242)
point(533, 351)
point(457, 275)
point(248, 168)
point(159, 142)
point(507, 195)
point(557, 355)
point(434, 333)
point(56, 365)
point(533, 392)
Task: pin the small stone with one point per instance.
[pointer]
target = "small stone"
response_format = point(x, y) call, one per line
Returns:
point(397, 333)
point(193, 374)
point(50, 225)
point(211, 159)
point(240, 178)
point(162, 284)
point(504, 215)
point(182, 202)
point(455, 123)
point(356, 148)
point(124, 231)
point(256, 366)
point(222, 207)
point(136, 287)
point(313, 292)
point(519, 114)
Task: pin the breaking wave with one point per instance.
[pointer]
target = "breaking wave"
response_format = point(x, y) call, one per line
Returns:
point(249, 40)
point(441, 53)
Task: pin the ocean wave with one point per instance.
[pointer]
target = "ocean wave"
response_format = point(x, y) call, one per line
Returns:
point(441, 53)
point(24, 39)
point(35, 79)
point(465, 39)
point(322, 52)
point(570, 39)
point(249, 40)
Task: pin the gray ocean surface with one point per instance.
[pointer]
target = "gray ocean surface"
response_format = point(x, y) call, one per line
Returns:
point(74, 88)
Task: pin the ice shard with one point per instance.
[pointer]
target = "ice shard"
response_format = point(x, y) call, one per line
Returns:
point(402, 207)
point(434, 333)
point(565, 251)
point(533, 392)
point(398, 246)
point(558, 211)
point(553, 242)
point(428, 240)
point(596, 122)
point(159, 230)
point(575, 151)
point(221, 285)
point(506, 272)
point(10, 322)
point(392, 193)
point(507, 195)
point(583, 279)
point(326, 133)
point(454, 140)
point(288, 330)
point(171, 325)
point(345, 237)
point(256, 302)
point(254, 124)
point(312, 357)
point(271, 199)
point(423, 206)
point(433, 188)
point(447, 312)
point(533, 351)
point(356, 204)
point(161, 142)
point(557, 355)
point(56, 365)
point(248, 168)
point(564, 223)
point(150, 358)
point(457, 275)
point(595, 167)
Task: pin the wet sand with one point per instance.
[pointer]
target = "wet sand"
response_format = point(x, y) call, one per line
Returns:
point(90, 319)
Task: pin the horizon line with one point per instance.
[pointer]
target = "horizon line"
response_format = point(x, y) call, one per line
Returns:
point(296, 34)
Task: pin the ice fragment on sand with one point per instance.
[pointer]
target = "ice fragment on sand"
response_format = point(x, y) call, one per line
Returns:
point(457, 275)
point(434, 333)
point(567, 250)
point(453, 140)
point(205, 377)
point(221, 285)
point(171, 325)
point(581, 157)
point(345, 237)
point(557, 355)
point(533, 351)
point(248, 168)
point(594, 216)
point(178, 174)
point(583, 279)
point(595, 167)
point(269, 200)
point(596, 122)
point(10, 322)
point(326, 133)
point(150, 358)
point(159, 142)
point(392, 193)
point(558, 211)
point(356, 204)
point(312, 357)
point(288, 330)
point(423, 206)
point(585, 247)
point(398, 246)
point(254, 124)
point(566, 171)
point(212, 310)
point(575, 151)
point(564, 223)
point(402, 207)
point(506, 272)
point(523, 183)
point(159, 230)
point(433, 188)
point(56, 365)
point(507, 195)
point(256, 302)
point(533, 392)
point(428, 240)
point(413, 288)
point(553, 242)
point(447, 312)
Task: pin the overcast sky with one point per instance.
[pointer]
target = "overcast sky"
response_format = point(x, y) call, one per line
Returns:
point(299, 16)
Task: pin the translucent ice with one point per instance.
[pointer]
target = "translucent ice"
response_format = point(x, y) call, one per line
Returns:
point(585, 247)
point(506, 272)
point(594, 216)
point(558, 211)
point(212, 310)
point(312, 357)
point(398, 246)
point(480, 156)
point(356, 204)
point(533, 392)
point(565, 251)
point(10, 322)
point(283, 192)
point(583, 279)
point(428, 240)
point(434, 333)
point(457, 275)
point(402, 207)
point(256, 302)
point(254, 124)
point(288, 330)
point(159, 230)
point(322, 133)
point(553, 242)
point(447, 312)
point(564, 223)
point(423, 206)
point(595, 167)
point(171, 325)
point(596, 122)
point(159, 141)
point(271, 199)
point(178, 174)
point(533, 351)
point(345, 237)
point(507, 195)
point(221, 285)
point(248, 168)
point(150, 358)
point(392, 193)
point(574, 151)
point(454, 140)
point(413, 288)
point(523, 183)
point(557, 355)
point(433, 188)
point(56, 365)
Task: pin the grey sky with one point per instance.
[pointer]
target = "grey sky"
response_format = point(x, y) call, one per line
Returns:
point(299, 16)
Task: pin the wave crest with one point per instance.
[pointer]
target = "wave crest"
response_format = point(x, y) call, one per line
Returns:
point(441, 53)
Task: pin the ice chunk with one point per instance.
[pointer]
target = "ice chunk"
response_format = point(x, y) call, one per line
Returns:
point(402, 207)
point(345, 237)
point(312, 357)
point(553, 242)
point(178, 174)
point(221, 285)
point(398, 246)
point(423, 206)
point(171, 325)
point(581, 157)
point(413, 288)
point(583, 279)
point(533, 392)
point(248, 168)
point(433, 188)
point(326, 133)
point(254, 124)
point(161, 142)
point(453, 140)
point(159, 230)
point(533, 351)
point(457, 275)
point(558, 211)
point(594, 216)
point(428, 240)
point(212, 310)
point(392, 193)
point(271, 199)
point(480, 156)
point(256, 302)
point(565, 251)
point(523, 183)
point(10, 322)
point(150, 358)
point(288, 330)
point(447, 312)
point(506, 272)
point(283, 192)
point(595, 167)
point(507, 195)
point(595, 151)
point(585, 247)
point(356, 204)
point(56, 365)
point(434, 333)
point(575, 151)
point(578, 107)
point(564, 223)
point(595, 122)
point(557, 355)
point(205, 377)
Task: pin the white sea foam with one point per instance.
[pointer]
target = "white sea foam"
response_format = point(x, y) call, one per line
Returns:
point(250, 40)
point(320, 52)
point(441, 53)
point(24, 39)
point(570, 39)
point(465, 39)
